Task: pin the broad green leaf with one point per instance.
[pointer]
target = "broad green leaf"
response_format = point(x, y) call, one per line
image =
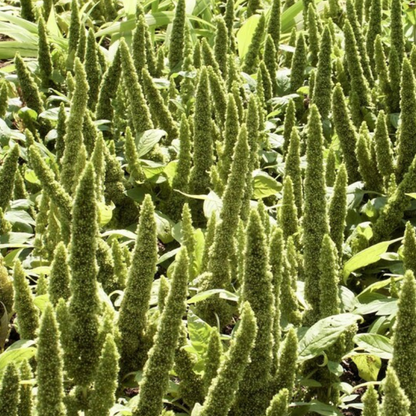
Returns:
point(376, 344)
point(164, 227)
point(15, 240)
point(317, 407)
point(212, 203)
point(41, 302)
point(412, 195)
point(105, 213)
point(4, 326)
point(168, 255)
point(368, 256)
point(245, 34)
point(264, 185)
point(147, 140)
point(224, 294)
point(14, 216)
point(199, 333)
point(17, 352)
point(368, 366)
point(323, 334)
point(120, 233)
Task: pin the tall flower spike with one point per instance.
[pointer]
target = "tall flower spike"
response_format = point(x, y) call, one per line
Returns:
point(293, 169)
point(73, 33)
point(253, 6)
point(9, 391)
point(356, 28)
point(27, 313)
point(213, 361)
point(7, 176)
point(273, 26)
point(406, 148)
point(394, 93)
point(409, 250)
point(132, 157)
point(330, 167)
point(329, 278)
point(30, 90)
point(108, 85)
point(370, 402)
point(323, 85)
point(199, 180)
point(74, 126)
point(384, 151)
point(396, 28)
point(315, 213)
point(297, 73)
point(230, 137)
point(26, 10)
point(44, 54)
point(338, 209)
point(226, 229)
point(52, 188)
point(218, 95)
point(222, 390)
point(139, 45)
point(285, 377)
point(177, 36)
point(346, 133)
point(139, 109)
point(158, 108)
point(92, 70)
point(289, 123)
point(269, 58)
point(132, 317)
point(288, 213)
point(366, 162)
point(276, 268)
point(252, 395)
point(156, 371)
point(105, 384)
point(395, 401)
point(392, 214)
point(313, 35)
point(374, 28)
point(359, 85)
point(403, 361)
point(208, 57)
point(251, 58)
point(279, 404)
point(84, 303)
point(180, 181)
point(82, 44)
point(59, 279)
point(25, 391)
point(49, 367)
point(221, 45)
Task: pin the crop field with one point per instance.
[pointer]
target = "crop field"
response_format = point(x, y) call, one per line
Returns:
point(207, 208)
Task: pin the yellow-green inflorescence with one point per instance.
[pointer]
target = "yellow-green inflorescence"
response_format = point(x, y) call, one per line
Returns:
point(84, 304)
point(177, 37)
point(370, 402)
point(406, 148)
point(404, 338)
point(50, 389)
point(27, 312)
point(230, 374)
point(9, 392)
point(409, 248)
point(25, 391)
point(7, 176)
point(315, 213)
point(338, 209)
point(279, 404)
point(257, 290)
point(105, 383)
point(132, 318)
point(395, 401)
point(161, 356)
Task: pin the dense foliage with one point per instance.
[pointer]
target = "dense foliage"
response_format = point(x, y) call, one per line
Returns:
point(207, 208)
